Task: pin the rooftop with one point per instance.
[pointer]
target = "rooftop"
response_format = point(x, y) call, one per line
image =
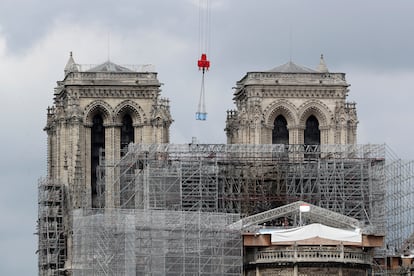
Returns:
point(292, 67)
point(109, 66)
point(106, 67)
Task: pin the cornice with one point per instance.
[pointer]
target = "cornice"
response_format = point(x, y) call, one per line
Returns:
point(114, 78)
point(103, 92)
point(280, 78)
point(293, 92)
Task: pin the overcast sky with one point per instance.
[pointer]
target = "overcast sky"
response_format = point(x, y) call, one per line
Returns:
point(371, 41)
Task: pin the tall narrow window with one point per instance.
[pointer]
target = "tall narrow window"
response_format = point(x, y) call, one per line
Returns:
point(127, 191)
point(127, 132)
point(312, 132)
point(97, 147)
point(280, 133)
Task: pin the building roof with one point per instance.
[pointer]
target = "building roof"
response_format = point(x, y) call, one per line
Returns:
point(292, 67)
point(109, 66)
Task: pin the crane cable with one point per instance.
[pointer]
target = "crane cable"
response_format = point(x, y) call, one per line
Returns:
point(201, 111)
point(204, 20)
point(203, 63)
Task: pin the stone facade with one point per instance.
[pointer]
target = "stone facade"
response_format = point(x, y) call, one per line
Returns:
point(292, 104)
point(110, 91)
point(97, 113)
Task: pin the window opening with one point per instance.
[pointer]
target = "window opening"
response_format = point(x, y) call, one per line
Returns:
point(127, 191)
point(127, 133)
point(280, 133)
point(312, 132)
point(97, 148)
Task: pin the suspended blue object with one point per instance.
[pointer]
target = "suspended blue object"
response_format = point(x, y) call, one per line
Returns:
point(201, 116)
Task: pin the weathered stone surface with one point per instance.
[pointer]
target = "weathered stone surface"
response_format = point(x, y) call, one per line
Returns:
point(296, 93)
point(112, 92)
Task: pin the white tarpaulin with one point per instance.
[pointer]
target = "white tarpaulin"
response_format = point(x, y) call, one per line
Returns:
point(313, 231)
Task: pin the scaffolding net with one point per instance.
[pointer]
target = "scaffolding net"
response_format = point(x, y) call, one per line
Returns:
point(155, 242)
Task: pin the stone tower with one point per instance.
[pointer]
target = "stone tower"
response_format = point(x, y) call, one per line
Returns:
point(97, 112)
point(292, 104)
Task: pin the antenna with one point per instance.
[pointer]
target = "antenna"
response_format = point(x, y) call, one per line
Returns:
point(109, 45)
point(290, 42)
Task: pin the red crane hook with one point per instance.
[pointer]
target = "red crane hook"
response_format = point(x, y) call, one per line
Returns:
point(203, 63)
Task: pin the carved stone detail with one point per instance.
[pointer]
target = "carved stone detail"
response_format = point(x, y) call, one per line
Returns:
point(296, 96)
point(316, 108)
point(98, 106)
point(131, 107)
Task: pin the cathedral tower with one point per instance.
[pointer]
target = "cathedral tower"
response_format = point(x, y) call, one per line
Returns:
point(97, 112)
point(292, 104)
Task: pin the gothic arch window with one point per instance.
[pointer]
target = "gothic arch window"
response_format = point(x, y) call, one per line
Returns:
point(312, 135)
point(97, 146)
point(127, 132)
point(280, 133)
point(127, 193)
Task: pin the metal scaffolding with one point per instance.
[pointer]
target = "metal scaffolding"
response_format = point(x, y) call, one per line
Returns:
point(52, 246)
point(249, 179)
point(400, 205)
point(167, 208)
point(155, 242)
point(314, 215)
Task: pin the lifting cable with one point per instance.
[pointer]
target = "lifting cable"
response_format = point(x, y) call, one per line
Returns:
point(201, 113)
point(203, 63)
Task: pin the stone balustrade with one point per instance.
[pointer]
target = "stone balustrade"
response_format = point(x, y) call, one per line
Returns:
point(314, 254)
